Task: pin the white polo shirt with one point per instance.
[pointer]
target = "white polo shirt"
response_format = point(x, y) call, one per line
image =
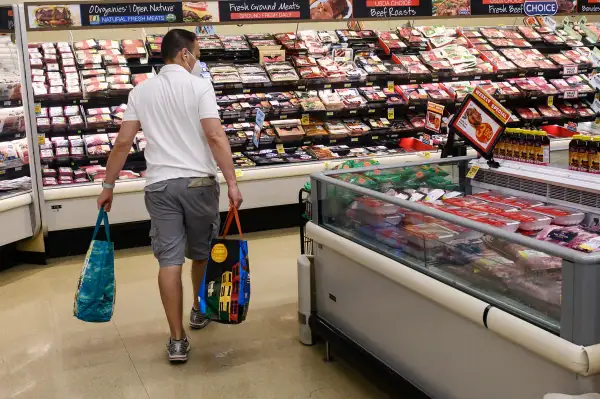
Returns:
point(169, 108)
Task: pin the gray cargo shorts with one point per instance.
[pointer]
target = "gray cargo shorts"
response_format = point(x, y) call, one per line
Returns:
point(184, 218)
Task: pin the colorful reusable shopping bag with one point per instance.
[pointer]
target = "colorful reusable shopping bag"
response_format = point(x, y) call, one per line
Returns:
point(224, 294)
point(95, 296)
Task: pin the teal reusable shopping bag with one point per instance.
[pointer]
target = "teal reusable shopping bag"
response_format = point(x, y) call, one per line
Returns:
point(95, 296)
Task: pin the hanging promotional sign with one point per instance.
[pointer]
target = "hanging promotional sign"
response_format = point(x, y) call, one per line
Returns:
point(433, 119)
point(258, 125)
point(480, 120)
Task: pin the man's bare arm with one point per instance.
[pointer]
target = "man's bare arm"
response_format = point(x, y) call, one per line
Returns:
point(219, 146)
point(120, 150)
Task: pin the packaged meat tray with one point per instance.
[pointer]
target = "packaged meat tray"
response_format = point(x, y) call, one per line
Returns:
point(574, 237)
point(392, 237)
point(493, 208)
point(561, 215)
point(374, 206)
point(533, 262)
point(530, 221)
point(539, 293)
point(497, 221)
point(428, 235)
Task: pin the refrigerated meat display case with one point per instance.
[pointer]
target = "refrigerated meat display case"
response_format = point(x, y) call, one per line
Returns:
point(467, 281)
point(19, 207)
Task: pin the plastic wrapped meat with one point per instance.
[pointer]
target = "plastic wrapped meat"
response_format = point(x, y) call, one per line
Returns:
point(548, 292)
point(573, 237)
point(374, 206)
point(496, 267)
point(561, 215)
point(373, 220)
point(532, 261)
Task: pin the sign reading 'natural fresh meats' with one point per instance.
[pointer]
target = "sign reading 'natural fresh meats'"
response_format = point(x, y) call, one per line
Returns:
point(263, 10)
point(130, 13)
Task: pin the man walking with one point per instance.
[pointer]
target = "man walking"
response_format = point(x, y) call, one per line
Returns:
point(177, 110)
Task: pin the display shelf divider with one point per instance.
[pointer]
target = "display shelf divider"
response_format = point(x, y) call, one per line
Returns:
point(30, 118)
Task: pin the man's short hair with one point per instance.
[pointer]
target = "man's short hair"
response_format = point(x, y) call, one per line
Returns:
point(175, 41)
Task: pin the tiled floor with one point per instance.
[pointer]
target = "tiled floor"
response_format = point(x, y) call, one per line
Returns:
point(46, 353)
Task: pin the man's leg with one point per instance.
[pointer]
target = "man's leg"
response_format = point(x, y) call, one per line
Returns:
point(171, 294)
point(198, 269)
point(168, 244)
point(201, 213)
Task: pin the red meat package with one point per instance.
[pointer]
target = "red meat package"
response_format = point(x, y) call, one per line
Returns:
point(374, 206)
point(141, 77)
point(573, 237)
point(561, 215)
point(529, 113)
point(533, 262)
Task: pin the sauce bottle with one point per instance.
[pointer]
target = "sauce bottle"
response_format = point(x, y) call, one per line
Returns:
point(508, 145)
point(530, 141)
point(594, 155)
point(500, 149)
point(574, 152)
point(523, 146)
point(584, 163)
point(545, 148)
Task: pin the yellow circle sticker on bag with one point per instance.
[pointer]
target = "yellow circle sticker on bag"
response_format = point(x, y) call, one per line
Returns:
point(219, 253)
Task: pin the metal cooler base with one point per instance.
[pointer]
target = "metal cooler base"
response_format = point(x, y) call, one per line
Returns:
point(437, 350)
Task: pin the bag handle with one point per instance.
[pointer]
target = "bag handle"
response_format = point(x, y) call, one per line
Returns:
point(233, 213)
point(102, 217)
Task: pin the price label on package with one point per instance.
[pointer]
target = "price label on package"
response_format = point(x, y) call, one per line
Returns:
point(570, 70)
point(41, 139)
point(473, 172)
point(570, 94)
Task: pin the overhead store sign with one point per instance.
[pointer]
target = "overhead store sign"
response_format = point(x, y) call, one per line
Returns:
point(540, 7)
point(236, 10)
point(496, 7)
point(366, 9)
point(66, 15)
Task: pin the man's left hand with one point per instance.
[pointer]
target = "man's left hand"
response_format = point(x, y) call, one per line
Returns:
point(105, 199)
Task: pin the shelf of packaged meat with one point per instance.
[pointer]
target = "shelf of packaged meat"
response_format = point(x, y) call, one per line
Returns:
point(67, 206)
point(321, 94)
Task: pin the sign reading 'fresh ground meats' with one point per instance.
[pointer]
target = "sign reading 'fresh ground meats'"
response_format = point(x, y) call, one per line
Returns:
point(263, 10)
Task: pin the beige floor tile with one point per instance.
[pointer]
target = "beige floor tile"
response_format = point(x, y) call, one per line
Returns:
point(46, 353)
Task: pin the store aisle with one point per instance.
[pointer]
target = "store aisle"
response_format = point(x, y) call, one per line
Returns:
point(46, 353)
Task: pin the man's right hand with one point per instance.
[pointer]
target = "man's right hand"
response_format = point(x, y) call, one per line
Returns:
point(235, 196)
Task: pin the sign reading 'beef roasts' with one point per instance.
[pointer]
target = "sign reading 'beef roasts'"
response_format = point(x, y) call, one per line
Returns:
point(391, 8)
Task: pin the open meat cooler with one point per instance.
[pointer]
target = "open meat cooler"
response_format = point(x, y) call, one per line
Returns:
point(467, 281)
